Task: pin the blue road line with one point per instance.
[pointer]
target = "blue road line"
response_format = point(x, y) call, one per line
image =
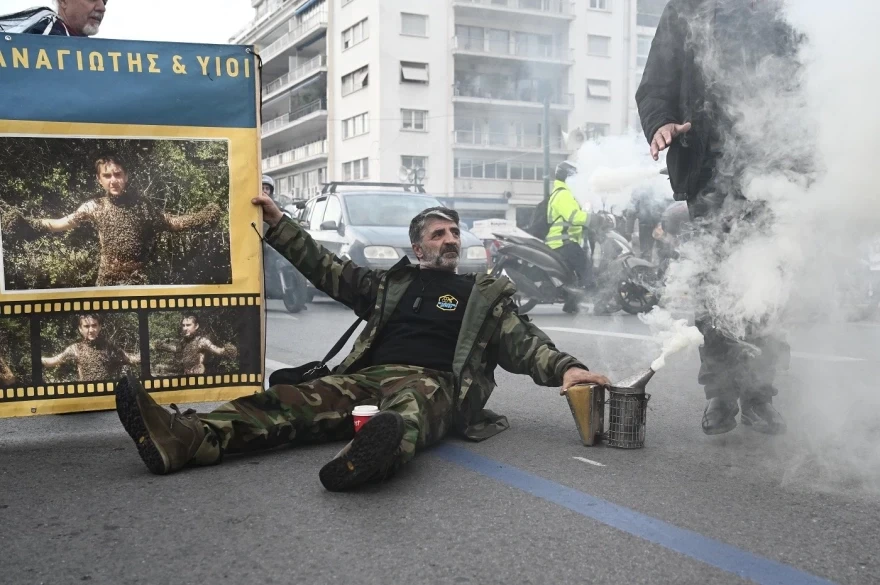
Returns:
point(692, 544)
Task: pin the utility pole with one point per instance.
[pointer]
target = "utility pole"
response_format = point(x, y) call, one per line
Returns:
point(546, 139)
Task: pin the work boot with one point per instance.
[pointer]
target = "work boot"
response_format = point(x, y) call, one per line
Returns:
point(759, 415)
point(165, 441)
point(719, 416)
point(368, 457)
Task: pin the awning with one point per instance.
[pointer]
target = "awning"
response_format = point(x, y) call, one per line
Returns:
point(599, 89)
point(414, 72)
point(305, 6)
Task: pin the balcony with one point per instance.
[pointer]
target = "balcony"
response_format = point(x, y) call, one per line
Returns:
point(317, 22)
point(294, 77)
point(503, 141)
point(291, 117)
point(508, 95)
point(290, 158)
point(513, 50)
point(552, 8)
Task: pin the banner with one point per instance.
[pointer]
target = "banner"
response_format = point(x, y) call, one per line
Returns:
point(126, 237)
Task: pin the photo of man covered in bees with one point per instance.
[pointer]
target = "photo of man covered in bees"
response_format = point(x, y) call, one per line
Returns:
point(204, 342)
point(89, 347)
point(84, 212)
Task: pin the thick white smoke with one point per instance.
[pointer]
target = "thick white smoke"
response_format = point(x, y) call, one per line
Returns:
point(612, 168)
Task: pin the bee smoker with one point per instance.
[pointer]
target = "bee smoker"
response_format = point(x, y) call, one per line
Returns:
point(627, 409)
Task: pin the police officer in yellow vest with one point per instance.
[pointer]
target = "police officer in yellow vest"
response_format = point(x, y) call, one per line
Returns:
point(568, 223)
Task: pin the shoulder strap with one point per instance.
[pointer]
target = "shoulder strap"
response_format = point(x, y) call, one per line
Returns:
point(342, 340)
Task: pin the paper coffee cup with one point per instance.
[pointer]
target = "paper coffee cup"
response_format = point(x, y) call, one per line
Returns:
point(361, 414)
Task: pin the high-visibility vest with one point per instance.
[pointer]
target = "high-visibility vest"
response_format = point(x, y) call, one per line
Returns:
point(566, 218)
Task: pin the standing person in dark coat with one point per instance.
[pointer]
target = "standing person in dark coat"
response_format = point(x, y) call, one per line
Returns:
point(707, 58)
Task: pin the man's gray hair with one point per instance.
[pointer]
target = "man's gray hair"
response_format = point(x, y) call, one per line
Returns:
point(417, 225)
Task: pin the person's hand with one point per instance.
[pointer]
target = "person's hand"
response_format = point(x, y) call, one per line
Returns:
point(575, 376)
point(665, 135)
point(271, 214)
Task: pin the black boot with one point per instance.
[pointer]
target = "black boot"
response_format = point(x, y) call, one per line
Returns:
point(368, 457)
point(719, 416)
point(759, 415)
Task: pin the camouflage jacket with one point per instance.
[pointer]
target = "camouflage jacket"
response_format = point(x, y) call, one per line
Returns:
point(492, 332)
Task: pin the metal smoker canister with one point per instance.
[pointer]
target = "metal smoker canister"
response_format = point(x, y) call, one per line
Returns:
point(587, 403)
point(627, 409)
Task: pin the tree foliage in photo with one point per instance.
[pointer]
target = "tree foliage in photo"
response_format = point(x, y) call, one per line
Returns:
point(15, 347)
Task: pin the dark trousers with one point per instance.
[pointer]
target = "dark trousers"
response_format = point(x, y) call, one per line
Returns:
point(574, 255)
point(729, 368)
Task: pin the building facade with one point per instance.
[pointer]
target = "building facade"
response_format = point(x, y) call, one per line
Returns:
point(356, 89)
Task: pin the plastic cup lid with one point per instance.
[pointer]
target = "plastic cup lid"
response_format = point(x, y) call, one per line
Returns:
point(365, 410)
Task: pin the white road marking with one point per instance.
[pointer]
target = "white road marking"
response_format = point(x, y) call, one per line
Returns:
point(590, 461)
point(599, 333)
point(824, 358)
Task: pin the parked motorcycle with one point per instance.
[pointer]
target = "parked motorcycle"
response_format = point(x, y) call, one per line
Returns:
point(541, 276)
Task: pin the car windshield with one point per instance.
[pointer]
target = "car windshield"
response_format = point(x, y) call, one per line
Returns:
point(386, 209)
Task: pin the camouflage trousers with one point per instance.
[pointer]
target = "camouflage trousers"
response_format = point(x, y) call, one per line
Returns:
point(320, 411)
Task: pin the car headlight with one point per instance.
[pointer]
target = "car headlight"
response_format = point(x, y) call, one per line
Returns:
point(476, 253)
point(380, 253)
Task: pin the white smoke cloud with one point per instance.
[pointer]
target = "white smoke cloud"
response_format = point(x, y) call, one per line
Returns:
point(611, 168)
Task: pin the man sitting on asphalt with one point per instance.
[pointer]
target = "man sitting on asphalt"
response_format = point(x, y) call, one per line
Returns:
point(426, 358)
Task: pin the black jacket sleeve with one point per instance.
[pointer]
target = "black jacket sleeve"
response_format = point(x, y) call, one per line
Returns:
point(658, 95)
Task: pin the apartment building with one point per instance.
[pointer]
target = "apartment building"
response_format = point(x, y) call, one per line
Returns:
point(357, 89)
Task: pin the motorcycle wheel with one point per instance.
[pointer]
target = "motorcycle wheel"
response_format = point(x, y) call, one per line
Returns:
point(634, 297)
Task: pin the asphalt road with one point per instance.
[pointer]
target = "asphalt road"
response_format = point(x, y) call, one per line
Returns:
point(77, 505)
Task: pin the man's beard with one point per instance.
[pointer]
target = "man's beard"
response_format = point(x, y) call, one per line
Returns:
point(439, 260)
point(91, 29)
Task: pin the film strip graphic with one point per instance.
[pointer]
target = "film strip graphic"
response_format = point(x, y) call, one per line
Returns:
point(69, 348)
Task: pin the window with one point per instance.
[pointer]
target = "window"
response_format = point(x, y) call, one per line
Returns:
point(470, 38)
point(642, 50)
point(355, 80)
point(355, 34)
point(414, 120)
point(598, 89)
point(356, 170)
point(516, 171)
point(415, 25)
point(594, 4)
point(593, 130)
point(414, 162)
point(333, 211)
point(355, 126)
point(316, 215)
point(413, 72)
point(648, 12)
point(599, 46)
